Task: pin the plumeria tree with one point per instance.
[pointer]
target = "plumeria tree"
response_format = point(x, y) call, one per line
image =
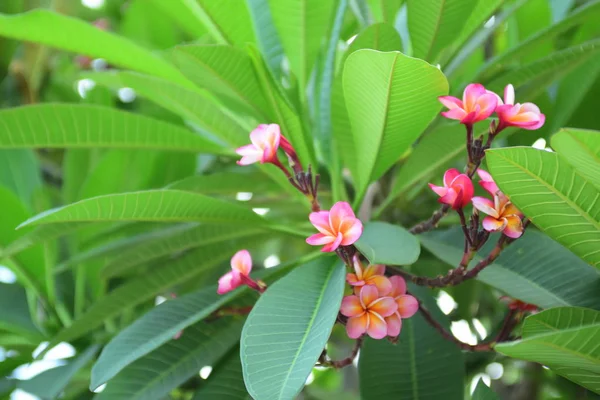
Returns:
point(281, 199)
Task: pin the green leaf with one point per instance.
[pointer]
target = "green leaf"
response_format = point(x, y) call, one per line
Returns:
point(266, 35)
point(552, 195)
point(288, 328)
point(51, 383)
point(581, 149)
point(483, 392)
point(301, 25)
point(433, 24)
point(423, 365)
point(558, 318)
point(84, 38)
point(571, 350)
point(534, 269)
point(151, 205)
point(382, 37)
point(225, 71)
point(84, 126)
point(154, 329)
point(226, 381)
point(192, 265)
point(14, 312)
point(384, 243)
point(156, 374)
point(19, 171)
point(232, 18)
point(390, 98)
point(229, 183)
point(385, 11)
point(178, 11)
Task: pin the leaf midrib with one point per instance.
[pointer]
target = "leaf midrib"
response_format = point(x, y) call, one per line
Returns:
point(436, 30)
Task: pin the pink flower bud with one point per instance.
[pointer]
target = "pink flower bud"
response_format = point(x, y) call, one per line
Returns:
point(525, 116)
point(457, 191)
point(477, 104)
point(337, 227)
point(241, 265)
point(265, 142)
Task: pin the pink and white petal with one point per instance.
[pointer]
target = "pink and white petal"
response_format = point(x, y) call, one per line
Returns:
point(509, 94)
point(398, 286)
point(242, 262)
point(484, 175)
point(537, 125)
point(471, 117)
point(457, 114)
point(368, 294)
point(407, 305)
point(251, 159)
point(247, 150)
point(353, 280)
point(378, 269)
point(450, 175)
point(394, 324)
point(463, 182)
point(340, 212)
point(492, 224)
point(383, 284)
point(439, 190)
point(229, 282)
point(351, 306)
point(514, 227)
point(318, 239)
point(357, 326)
point(257, 136)
point(471, 94)
point(377, 328)
point(488, 103)
point(485, 205)
point(384, 306)
point(352, 232)
point(511, 209)
point(333, 245)
point(449, 198)
point(450, 102)
point(530, 107)
point(358, 267)
point(320, 220)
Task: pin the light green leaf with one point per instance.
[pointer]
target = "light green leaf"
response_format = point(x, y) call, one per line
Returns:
point(382, 37)
point(558, 318)
point(423, 365)
point(84, 38)
point(534, 269)
point(156, 374)
point(227, 183)
point(390, 98)
point(231, 17)
point(571, 351)
point(385, 11)
point(51, 383)
point(225, 71)
point(151, 205)
point(581, 149)
point(433, 24)
point(301, 25)
point(192, 265)
point(226, 381)
point(483, 392)
point(178, 11)
point(384, 243)
point(266, 35)
point(552, 195)
point(288, 328)
point(84, 126)
point(19, 171)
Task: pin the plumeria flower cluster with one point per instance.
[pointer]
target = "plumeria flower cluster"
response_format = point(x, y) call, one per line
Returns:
point(378, 304)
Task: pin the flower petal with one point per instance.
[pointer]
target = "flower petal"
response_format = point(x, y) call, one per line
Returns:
point(492, 224)
point(382, 283)
point(368, 294)
point(242, 262)
point(333, 245)
point(320, 220)
point(509, 94)
point(353, 280)
point(463, 183)
point(439, 190)
point(351, 306)
point(351, 232)
point(485, 205)
point(487, 104)
point(450, 102)
point(377, 328)
point(449, 198)
point(407, 305)
point(247, 160)
point(394, 324)
point(384, 306)
point(450, 175)
point(458, 114)
point(340, 212)
point(318, 239)
point(471, 94)
point(514, 227)
point(357, 326)
point(398, 286)
point(229, 282)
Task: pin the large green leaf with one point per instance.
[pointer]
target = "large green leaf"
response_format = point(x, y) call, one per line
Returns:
point(570, 348)
point(390, 98)
point(266, 35)
point(552, 195)
point(152, 377)
point(581, 149)
point(194, 264)
point(179, 12)
point(301, 25)
point(385, 11)
point(230, 17)
point(226, 382)
point(558, 318)
point(227, 183)
point(433, 24)
point(51, 383)
point(483, 392)
point(151, 205)
point(384, 243)
point(382, 37)
point(84, 126)
point(423, 365)
point(534, 269)
point(84, 38)
point(14, 312)
point(288, 328)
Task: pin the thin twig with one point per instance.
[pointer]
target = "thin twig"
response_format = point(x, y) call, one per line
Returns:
point(432, 222)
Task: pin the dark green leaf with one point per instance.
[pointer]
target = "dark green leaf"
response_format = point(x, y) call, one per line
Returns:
point(384, 243)
point(483, 392)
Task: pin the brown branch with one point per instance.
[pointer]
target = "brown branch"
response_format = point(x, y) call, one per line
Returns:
point(327, 362)
point(432, 222)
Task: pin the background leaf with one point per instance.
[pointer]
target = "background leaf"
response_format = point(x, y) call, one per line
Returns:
point(581, 149)
point(384, 243)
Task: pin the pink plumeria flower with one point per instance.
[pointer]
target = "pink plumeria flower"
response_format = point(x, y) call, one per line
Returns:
point(525, 116)
point(367, 313)
point(487, 182)
point(503, 216)
point(265, 142)
point(477, 104)
point(372, 275)
point(338, 227)
point(241, 265)
point(407, 306)
point(457, 191)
